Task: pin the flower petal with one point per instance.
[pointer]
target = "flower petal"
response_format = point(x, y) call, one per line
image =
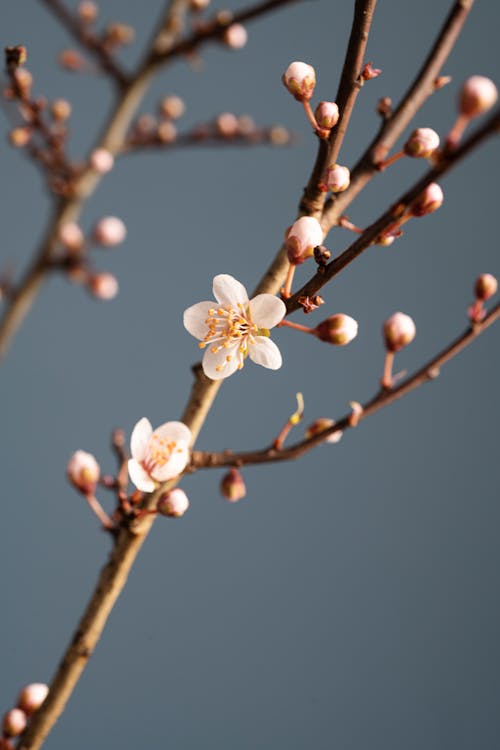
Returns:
point(140, 477)
point(266, 310)
point(195, 319)
point(265, 352)
point(139, 439)
point(174, 431)
point(212, 360)
point(228, 291)
point(175, 464)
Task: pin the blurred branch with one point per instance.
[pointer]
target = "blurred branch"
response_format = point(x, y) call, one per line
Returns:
point(429, 371)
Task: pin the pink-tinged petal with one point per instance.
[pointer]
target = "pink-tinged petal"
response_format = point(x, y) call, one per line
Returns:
point(266, 310)
point(140, 477)
point(265, 352)
point(174, 431)
point(228, 291)
point(195, 319)
point(212, 360)
point(140, 438)
point(174, 466)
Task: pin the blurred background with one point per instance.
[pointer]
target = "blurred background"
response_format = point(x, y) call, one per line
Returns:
point(351, 600)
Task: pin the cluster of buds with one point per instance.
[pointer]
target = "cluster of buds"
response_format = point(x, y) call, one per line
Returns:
point(485, 287)
point(16, 720)
point(300, 80)
point(476, 96)
point(398, 331)
point(107, 232)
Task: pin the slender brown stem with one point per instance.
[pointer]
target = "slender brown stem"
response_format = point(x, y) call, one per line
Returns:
point(429, 371)
point(387, 379)
point(297, 326)
point(101, 514)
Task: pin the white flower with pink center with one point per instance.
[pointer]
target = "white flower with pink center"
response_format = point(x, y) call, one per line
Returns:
point(235, 327)
point(157, 455)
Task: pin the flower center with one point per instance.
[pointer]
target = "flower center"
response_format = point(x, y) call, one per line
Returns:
point(158, 453)
point(229, 328)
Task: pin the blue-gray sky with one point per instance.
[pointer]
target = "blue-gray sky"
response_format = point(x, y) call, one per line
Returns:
point(352, 598)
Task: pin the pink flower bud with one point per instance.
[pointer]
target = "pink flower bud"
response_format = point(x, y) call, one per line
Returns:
point(61, 109)
point(83, 471)
point(319, 426)
point(71, 236)
point(303, 236)
point(87, 11)
point(102, 160)
point(428, 201)
point(338, 329)
point(300, 80)
point(235, 36)
point(110, 231)
point(172, 107)
point(14, 722)
point(174, 503)
point(166, 132)
point(103, 285)
point(422, 143)
point(24, 80)
point(399, 331)
point(20, 137)
point(232, 486)
point(31, 697)
point(327, 114)
point(485, 287)
point(337, 179)
point(279, 136)
point(70, 59)
point(227, 124)
point(477, 95)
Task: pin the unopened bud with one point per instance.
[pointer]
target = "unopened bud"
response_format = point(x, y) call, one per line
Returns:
point(429, 200)
point(279, 136)
point(14, 722)
point(70, 59)
point(246, 125)
point(118, 33)
point(31, 697)
point(319, 426)
point(87, 11)
point(300, 80)
point(477, 95)
point(83, 471)
point(485, 287)
point(102, 160)
point(110, 231)
point(337, 179)
point(338, 329)
point(227, 124)
point(399, 331)
point(24, 80)
point(173, 503)
point(327, 115)
point(166, 132)
point(232, 486)
point(235, 36)
point(61, 109)
point(20, 137)
point(303, 236)
point(422, 143)
point(172, 107)
point(71, 236)
point(103, 285)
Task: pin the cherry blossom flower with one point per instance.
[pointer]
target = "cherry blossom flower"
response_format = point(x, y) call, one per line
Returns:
point(235, 327)
point(159, 455)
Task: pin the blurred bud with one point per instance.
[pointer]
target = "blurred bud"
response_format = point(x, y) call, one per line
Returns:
point(422, 143)
point(384, 106)
point(338, 329)
point(15, 56)
point(24, 80)
point(279, 136)
point(6, 744)
point(386, 239)
point(102, 160)
point(83, 471)
point(246, 125)
point(326, 114)
point(103, 285)
point(173, 503)
point(428, 201)
point(110, 231)
point(235, 36)
point(337, 179)
point(227, 124)
point(441, 81)
point(20, 137)
point(87, 11)
point(303, 236)
point(399, 331)
point(232, 486)
point(116, 34)
point(14, 722)
point(31, 697)
point(61, 109)
point(319, 426)
point(166, 132)
point(485, 287)
point(198, 5)
point(300, 80)
point(71, 236)
point(172, 107)
point(70, 59)
point(477, 95)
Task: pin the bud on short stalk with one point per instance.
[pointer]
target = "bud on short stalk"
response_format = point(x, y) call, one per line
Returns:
point(338, 329)
point(399, 331)
point(232, 486)
point(428, 201)
point(83, 472)
point(327, 115)
point(477, 95)
point(422, 143)
point(485, 287)
point(337, 179)
point(173, 503)
point(303, 236)
point(300, 80)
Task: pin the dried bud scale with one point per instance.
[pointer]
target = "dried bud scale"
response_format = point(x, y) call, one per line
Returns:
point(232, 486)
